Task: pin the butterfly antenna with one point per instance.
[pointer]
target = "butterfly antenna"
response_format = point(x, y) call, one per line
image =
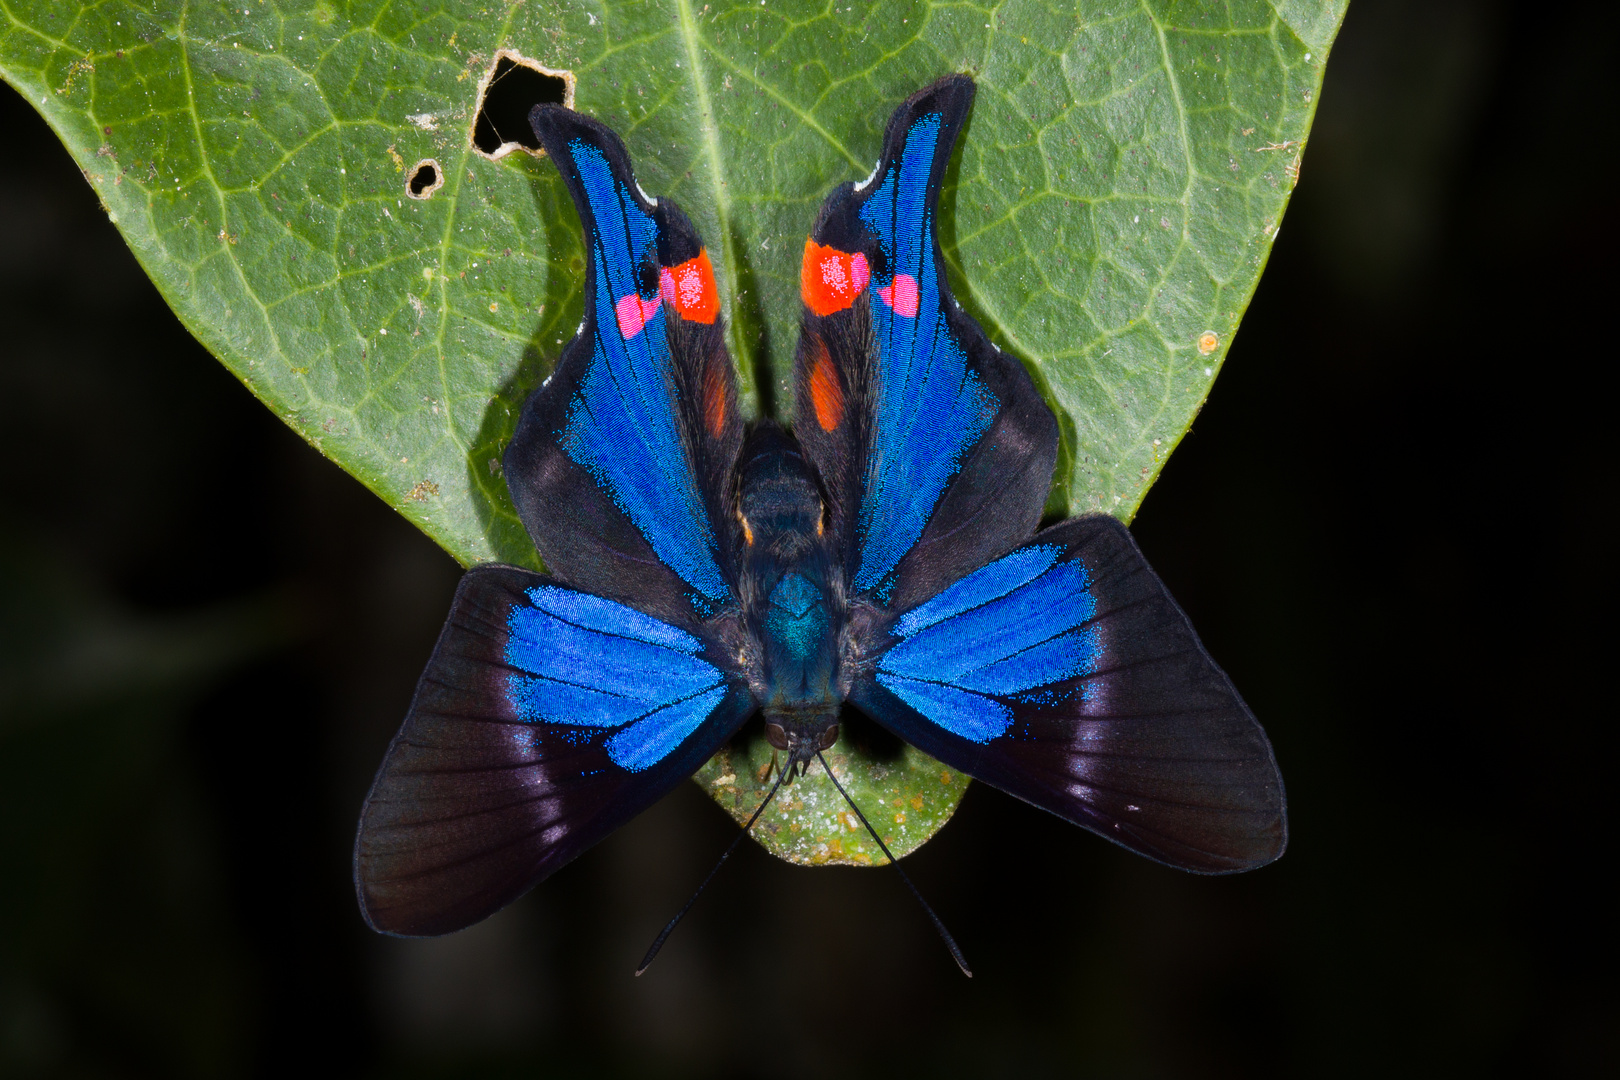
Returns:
point(669, 928)
point(945, 935)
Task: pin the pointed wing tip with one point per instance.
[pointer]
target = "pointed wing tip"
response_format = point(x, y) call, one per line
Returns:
point(1244, 853)
point(949, 98)
point(394, 924)
point(374, 912)
point(548, 120)
point(417, 905)
point(951, 95)
point(557, 126)
point(389, 919)
point(952, 89)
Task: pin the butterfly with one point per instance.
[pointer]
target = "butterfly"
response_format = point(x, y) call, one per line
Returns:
point(883, 555)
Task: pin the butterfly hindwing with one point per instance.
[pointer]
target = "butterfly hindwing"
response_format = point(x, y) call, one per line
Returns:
point(546, 718)
point(1063, 673)
point(621, 461)
point(935, 448)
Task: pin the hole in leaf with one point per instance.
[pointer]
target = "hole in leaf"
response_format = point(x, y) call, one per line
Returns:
point(512, 86)
point(425, 179)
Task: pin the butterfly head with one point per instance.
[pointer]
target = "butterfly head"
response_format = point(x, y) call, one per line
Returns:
point(800, 733)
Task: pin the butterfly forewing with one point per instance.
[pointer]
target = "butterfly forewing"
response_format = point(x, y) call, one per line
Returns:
point(936, 449)
point(621, 463)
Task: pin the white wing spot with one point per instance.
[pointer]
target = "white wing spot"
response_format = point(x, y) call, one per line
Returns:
point(862, 186)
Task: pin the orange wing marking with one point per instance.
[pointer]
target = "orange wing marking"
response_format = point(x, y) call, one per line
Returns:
point(826, 389)
point(714, 400)
point(829, 279)
point(689, 288)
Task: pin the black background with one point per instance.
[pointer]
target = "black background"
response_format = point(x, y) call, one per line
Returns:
point(1386, 524)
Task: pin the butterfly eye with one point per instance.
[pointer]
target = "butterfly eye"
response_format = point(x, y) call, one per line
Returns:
point(776, 735)
point(828, 737)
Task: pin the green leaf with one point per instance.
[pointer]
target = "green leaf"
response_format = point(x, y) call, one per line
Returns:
point(1113, 201)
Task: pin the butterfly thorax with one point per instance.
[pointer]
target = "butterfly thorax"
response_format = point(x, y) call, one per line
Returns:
point(792, 593)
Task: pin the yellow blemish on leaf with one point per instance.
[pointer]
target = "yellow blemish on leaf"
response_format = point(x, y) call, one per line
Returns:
point(422, 490)
point(75, 69)
point(1207, 343)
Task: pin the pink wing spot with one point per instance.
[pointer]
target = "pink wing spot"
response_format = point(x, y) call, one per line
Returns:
point(633, 314)
point(845, 275)
point(901, 295)
point(666, 285)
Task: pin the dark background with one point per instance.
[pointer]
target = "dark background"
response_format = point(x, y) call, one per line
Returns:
point(1385, 523)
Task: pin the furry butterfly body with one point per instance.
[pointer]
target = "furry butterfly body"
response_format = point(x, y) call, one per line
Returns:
point(882, 555)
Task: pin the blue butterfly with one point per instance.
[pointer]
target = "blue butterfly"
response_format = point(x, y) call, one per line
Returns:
point(882, 554)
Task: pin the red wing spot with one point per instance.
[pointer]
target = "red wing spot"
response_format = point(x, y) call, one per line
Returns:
point(714, 400)
point(690, 288)
point(826, 389)
point(901, 295)
point(829, 279)
point(633, 314)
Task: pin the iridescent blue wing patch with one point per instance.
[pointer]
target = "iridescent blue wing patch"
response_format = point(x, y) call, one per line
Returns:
point(546, 718)
point(1063, 673)
point(936, 449)
point(621, 463)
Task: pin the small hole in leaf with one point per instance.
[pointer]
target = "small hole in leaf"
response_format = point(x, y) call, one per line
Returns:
point(512, 86)
point(425, 179)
